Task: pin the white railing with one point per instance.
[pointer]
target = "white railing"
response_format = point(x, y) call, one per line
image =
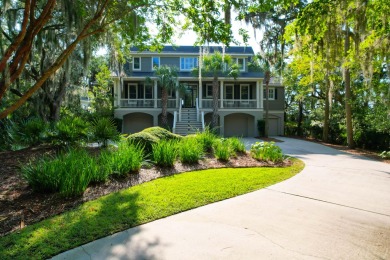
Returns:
point(180, 105)
point(171, 103)
point(137, 102)
point(231, 103)
point(197, 109)
point(174, 122)
point(202, 117)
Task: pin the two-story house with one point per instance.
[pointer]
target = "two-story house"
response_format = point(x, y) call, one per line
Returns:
point(241, 100)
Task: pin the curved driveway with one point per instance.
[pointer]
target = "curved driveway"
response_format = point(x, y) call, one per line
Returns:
point(338, 207)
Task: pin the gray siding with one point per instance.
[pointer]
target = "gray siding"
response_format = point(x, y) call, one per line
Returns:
point(170, 61)
point(278, 103)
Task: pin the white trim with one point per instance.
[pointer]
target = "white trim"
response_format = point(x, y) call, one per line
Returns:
point(140, 59)
point(148, 54)
point(269, 89)
point(136, 91)
point(244, 85)
point(243, 63)
point(209, 85)
point(151, 87)
point(192, 57)
point(229, 85)
point(159, 62)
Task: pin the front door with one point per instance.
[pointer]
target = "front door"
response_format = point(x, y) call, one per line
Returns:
point(190, 95)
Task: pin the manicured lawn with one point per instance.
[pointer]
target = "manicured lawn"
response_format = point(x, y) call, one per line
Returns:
point(137, 205)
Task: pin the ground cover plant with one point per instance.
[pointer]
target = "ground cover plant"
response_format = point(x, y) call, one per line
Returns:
point(164, 153)
point(222, 149)
point(190, 150)
point(135, 206)
point(266, 151)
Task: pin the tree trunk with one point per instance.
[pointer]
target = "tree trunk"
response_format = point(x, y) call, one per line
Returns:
point(267, 79)
point(164, 105)
point(214, 120)
point(300, 118)
point(325, 130)
point(348, 92)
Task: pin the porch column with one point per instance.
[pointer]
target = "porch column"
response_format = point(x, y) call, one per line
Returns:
point(177, 99)
point(257, 94)
point(119, 88)
point(221, 91)
point(200, 95)
point(222, 125)
point(155, 94)
point(261, 94)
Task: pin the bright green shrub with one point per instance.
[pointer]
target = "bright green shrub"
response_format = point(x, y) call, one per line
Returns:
point(207, 139)
point(70, 131)
point(103, 130)
point(222, 149)
point(26, 133)
point(143, 139)
point(237, 145)
point(162, 133)
point(127, 158)
point(190, 150)
point(385, 154)
point(164, 153)
point(266, 151)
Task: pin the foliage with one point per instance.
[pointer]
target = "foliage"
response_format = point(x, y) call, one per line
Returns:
point(162, 133)
point(206, 138)
point(165, 152)
point(146, 140)
point(190, 150)
point(237, 145)
point(266, 151)
point(70, 131)
point(385, 154)
point(25, 133)
point(103, 130)
point(127, 158)
point(68, 173)
point(222, 150)
point(135, 206)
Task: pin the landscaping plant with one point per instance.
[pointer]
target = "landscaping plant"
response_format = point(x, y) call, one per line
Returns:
point(70, 131)
point(385, 154)
point(237, 145)
point(190, 150)
point(103, 130)
point(25, 133)
point(222, 149)
point(206, 138)
point(266, 151)
point(164, 153)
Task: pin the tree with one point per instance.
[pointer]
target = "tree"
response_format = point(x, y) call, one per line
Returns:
point(215, 65)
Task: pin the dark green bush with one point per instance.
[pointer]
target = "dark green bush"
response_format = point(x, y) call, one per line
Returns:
point(190, 150)
point(162, 133)
point(103, 130)
point(146, 140)
point(164, 153)
point(261, 127)
point(26, 133)
point(70, 131)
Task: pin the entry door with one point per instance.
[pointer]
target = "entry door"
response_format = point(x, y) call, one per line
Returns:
point(190, 95)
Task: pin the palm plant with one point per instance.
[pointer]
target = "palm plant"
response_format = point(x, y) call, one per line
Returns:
point(214, 66)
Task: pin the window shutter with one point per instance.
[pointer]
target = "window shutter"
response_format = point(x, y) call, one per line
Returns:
point(276, 93)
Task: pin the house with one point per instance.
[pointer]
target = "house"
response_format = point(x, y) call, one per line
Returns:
point(241, 100)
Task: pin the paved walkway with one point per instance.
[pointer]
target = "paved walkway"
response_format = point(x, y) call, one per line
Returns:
point(338, 207)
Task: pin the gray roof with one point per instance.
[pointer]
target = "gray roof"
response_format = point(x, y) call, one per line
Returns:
point(195, 49)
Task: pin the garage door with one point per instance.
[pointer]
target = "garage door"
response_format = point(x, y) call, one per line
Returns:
point(273, 126)
point(136, 122)
point(240, 125)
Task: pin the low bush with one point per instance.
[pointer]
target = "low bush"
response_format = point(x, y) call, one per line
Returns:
point(162, 133)
point(103, 130)
point(68, 173)
point(143, 139)
point(207, 138)
point(385, 154)
point(70, 131)
point(222, 149)
point(237, 145)
point(127, 158)
point(266, 151)
point(164, 153)
point(26, 133)
point(190, 150)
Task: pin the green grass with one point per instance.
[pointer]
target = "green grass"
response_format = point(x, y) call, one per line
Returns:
point(137, 205)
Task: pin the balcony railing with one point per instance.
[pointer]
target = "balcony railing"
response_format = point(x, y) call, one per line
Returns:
point(231, 103)
point(171, 103)
point(137, 103)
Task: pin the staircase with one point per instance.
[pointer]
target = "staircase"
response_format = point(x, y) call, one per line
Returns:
point(188, 124)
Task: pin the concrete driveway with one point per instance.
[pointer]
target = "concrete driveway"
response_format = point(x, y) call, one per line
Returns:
point(338, 207)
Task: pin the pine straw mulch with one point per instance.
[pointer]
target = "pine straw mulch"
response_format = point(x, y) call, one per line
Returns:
point(20, 205)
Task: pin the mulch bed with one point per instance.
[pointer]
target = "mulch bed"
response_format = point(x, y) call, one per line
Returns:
point(20, 205)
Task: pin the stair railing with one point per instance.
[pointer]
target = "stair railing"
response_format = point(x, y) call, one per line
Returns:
point(180, 105)
point(174, 122)
point(197, 109)
point(202, 117)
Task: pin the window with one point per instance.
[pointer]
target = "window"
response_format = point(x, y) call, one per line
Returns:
point(148, 91)
point(241, 63)
point(229, 91)
point(130, 91)
point(209, 90)
point(136, 63)
point(271, 94)
point(155, 62)
point(244, 91)
point(188, 63)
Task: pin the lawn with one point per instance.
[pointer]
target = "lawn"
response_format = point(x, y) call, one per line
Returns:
point(135, 206)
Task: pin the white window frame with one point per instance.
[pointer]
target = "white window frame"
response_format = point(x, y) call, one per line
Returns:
point(188, 57)
point(207, 95)
point(129, 85)
point(225, 91)
point(243, 63)
point(241, 87)
point(269, 90)
point(139, 63)
point(158, 61)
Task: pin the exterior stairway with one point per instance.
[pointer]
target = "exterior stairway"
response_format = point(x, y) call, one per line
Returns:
point(188, 124)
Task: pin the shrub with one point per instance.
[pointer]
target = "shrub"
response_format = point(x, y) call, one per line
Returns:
point(261, 127)
point(385, 154)
point(127, 158)
point(143, 139)
point(70, 131)
point(164, 153)
point(266, 151)
point(27, 132)
point(162, 133)
point(222, 149)
point(207, 139)
point(237, 145)
point(103, 130)
point(190, 150)
point(68, 173)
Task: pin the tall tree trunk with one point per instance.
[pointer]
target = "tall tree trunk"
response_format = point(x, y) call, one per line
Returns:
point(348, 91)
point(267, 79)
point(300, 118)
point(164, 105)
point(214, 120)
point(325, 130)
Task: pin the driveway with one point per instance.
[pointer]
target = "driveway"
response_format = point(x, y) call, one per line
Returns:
point(338, 207)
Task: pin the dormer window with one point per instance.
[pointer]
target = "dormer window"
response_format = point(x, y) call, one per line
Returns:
point(155, 62)
point(136, 63)
point(241, 63)
point(188, 63)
